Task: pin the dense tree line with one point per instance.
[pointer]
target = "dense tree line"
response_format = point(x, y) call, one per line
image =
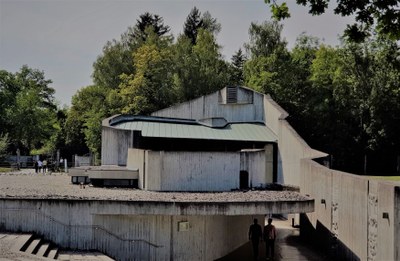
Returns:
point(343, 100)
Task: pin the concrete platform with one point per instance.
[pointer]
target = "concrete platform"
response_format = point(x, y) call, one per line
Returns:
point(57, 187)
point(104, 172)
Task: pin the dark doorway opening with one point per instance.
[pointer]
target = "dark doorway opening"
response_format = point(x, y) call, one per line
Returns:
point(244, 180)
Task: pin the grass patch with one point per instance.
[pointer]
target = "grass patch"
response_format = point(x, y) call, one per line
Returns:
point(391, 178)
point(5, 169)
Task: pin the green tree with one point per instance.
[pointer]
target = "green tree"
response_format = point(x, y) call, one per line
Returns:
point(192, 24)
point(8, 91)
point(236, 68)
point(195, 21)
point(268, 69)
point(146, 20)
point(354, 105)
point(151, 87)
point(4, 143)
point(199, 69)
point(383, 15)
point(29, 110)
point(85, 116)
point(265, 39)
point(116, 58)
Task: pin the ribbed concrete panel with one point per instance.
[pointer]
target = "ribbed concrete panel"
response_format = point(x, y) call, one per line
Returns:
point(114, 146)
point(248, 108)
point(359, 211)
point(142, 230)
point(193, 171)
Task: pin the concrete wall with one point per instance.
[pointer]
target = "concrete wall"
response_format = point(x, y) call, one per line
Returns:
point(192, 171)
point(347, 207)
point(291, 147)
point(259, 165)
point(136, 161)
point(353, 212)
point(382, 243)
point(82, 161)
point(114, 146)
point(214, 105)
point(396, 219)
point(200, 171)
point(92, 225)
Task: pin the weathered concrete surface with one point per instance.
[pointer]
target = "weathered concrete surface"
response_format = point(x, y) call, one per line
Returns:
point(58, 187)
point(353, 212)
point(104, 172)
point(123, 231)
point(213, 223)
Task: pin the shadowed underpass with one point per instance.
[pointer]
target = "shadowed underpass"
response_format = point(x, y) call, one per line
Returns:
point(288, 246)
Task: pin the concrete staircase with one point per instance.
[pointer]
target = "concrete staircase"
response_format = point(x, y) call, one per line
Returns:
point(31, 244)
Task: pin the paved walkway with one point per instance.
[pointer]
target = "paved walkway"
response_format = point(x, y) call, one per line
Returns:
point(288, 247)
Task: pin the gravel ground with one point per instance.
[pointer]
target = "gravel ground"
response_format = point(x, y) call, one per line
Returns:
point(27, 184)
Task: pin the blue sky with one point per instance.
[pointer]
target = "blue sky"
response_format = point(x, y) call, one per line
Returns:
point(64, 37)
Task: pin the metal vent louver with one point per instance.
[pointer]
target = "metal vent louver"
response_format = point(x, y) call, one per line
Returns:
point(231, 94)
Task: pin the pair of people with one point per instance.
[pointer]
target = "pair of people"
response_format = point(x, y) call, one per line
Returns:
point(269, 235)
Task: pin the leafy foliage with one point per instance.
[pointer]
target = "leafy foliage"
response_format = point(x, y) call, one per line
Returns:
point(199, 69)
point(343, 100)
point(236, 76)
point(382, 15)
point(28, 108)
point(195, 21)
point(4, 142)
point(84, 118)
point(149, 88)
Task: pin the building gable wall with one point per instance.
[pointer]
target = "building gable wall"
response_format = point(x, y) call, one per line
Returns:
point(248, 108)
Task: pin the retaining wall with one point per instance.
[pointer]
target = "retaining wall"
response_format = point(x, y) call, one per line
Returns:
point(115, 229)
point(362, 214)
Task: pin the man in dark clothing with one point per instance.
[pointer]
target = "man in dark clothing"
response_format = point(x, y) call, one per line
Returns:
point(255, 234)
point(269, 237)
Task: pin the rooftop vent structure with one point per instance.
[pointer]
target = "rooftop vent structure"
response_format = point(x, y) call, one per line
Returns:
point(231, 95)
point(213, 122)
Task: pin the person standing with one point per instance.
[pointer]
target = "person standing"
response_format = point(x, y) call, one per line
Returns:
point(269, 237)
point(44, 165)
point(255, 234)
point(36, 167)
point(40, 165)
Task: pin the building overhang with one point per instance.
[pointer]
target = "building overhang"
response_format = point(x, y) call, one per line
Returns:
point(206, 129)
point(185, 204)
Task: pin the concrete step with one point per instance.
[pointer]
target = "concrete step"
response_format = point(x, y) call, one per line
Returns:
point(33, 246)
point(43, 250)
point(82, 255)
point(53, 253)
point(22, 242)
point(103, 257)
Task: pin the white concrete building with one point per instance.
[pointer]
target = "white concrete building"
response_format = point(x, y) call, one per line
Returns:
point(232, 139)
point(217, 143)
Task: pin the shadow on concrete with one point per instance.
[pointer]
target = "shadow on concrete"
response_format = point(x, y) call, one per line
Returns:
point(289, 246)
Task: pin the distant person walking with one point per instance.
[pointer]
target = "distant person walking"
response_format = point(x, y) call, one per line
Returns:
point(255, 234)
point(269, 237)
